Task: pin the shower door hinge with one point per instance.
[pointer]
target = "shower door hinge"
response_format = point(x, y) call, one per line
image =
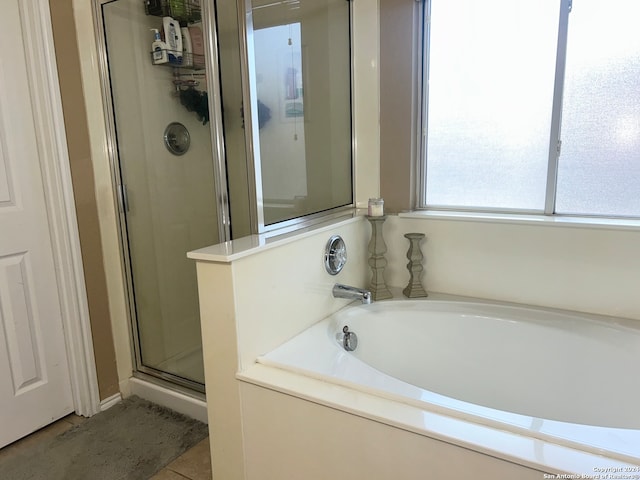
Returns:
point(123, 200)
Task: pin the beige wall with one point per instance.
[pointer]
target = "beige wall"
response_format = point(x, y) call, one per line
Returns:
point(593, 270)
point(73, 104)
point(398, 103)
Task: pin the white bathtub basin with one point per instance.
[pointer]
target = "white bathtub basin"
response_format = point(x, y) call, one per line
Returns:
point(558, 376)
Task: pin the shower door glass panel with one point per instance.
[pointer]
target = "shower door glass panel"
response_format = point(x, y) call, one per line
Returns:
point(170, 202)
point(302, 69)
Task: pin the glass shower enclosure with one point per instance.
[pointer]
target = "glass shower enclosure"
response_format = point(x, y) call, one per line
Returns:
point(164, 166)
point(283, 72)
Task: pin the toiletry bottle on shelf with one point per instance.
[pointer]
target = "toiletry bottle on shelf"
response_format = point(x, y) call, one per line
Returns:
point(187, 50)
point(158, 48)
point(173, 39)
point(197, 45)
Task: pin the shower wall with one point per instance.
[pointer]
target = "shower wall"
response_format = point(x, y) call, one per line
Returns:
point(171, 201)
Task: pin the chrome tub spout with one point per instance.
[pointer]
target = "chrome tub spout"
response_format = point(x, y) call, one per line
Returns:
point(352, 293)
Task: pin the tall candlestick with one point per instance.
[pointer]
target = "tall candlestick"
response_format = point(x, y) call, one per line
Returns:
point(377, 262)
point(414, 289)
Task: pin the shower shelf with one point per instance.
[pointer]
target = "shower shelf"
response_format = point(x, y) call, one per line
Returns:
point(190, 61)
point(184, 11)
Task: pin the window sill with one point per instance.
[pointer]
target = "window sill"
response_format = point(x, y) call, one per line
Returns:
point(523, 219)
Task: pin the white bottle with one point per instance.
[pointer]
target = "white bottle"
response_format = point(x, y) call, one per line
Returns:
point(158, 48)
point(173, 39)
point(187, 50)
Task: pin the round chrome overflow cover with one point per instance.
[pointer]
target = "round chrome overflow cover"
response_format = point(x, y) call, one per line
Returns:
point(335, 255)
point(177, 138)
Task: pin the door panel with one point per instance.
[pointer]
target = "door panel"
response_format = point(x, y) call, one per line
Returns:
point(23, 332)
point(171, 203)
point(35, 387)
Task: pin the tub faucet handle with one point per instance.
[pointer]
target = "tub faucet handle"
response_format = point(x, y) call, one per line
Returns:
point(349, 339)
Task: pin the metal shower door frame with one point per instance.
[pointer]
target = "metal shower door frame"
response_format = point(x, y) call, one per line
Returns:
point(219, 167)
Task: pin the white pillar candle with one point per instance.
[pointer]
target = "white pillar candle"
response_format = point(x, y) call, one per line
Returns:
point(376, 207)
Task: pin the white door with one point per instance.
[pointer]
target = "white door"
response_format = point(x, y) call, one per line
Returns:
point(35, 386)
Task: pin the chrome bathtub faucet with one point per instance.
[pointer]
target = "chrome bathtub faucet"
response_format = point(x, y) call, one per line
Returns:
point(352, 293)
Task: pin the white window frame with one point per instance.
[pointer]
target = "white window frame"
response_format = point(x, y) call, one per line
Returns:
point(555, 141)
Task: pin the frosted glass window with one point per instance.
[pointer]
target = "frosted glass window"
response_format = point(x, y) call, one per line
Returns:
point(490, 89)
point(509, 82)
point(599, 166)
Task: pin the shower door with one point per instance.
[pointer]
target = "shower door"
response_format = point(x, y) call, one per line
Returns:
point(167, 199)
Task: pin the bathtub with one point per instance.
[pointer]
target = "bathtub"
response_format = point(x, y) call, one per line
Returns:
point(559, 380)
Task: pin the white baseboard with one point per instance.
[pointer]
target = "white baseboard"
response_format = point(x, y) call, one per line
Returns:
point(189, 406)
point(125, 387)
point(110, 402)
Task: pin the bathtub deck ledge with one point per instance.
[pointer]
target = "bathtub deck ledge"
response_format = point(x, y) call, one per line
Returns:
point(529, 452)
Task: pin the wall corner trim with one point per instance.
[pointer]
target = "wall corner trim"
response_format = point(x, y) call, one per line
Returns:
point(58, 190)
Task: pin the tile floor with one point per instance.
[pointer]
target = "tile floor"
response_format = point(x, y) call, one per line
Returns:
point(194, 464)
